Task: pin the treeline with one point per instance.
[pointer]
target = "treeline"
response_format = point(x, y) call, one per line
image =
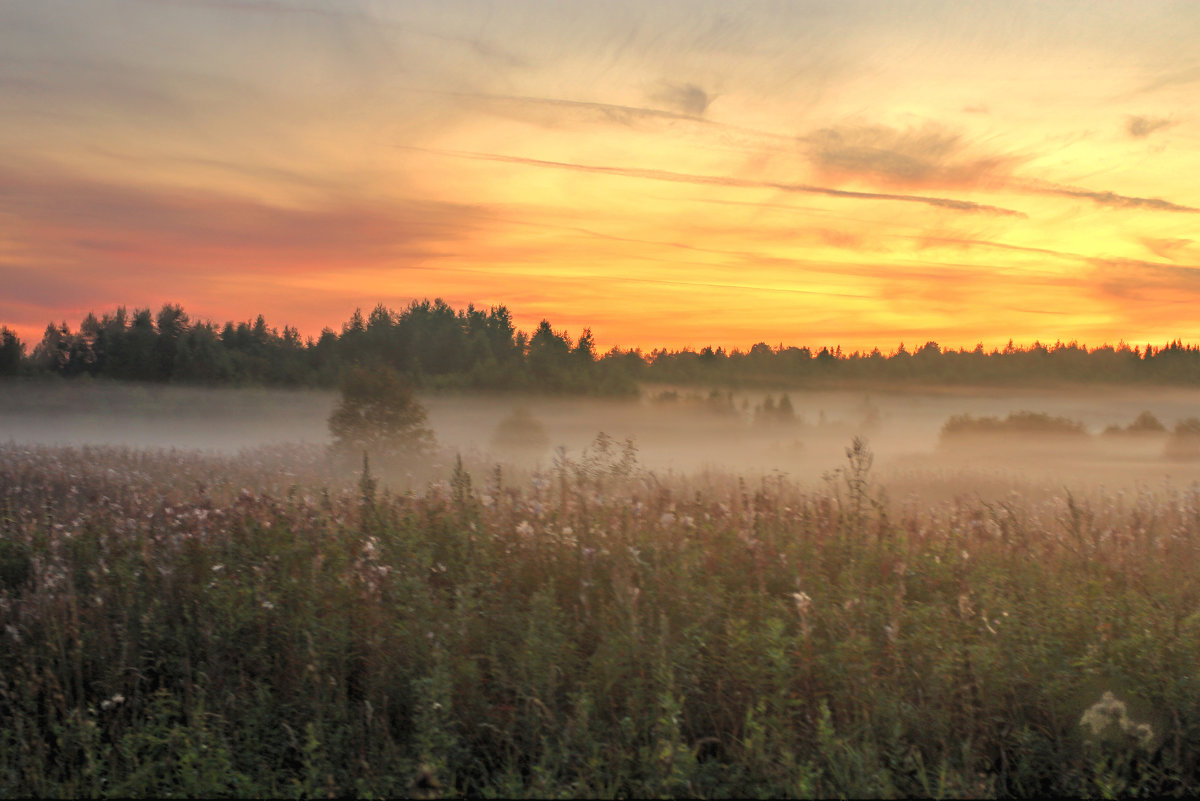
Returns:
point(438, 347)
point(429, 343)
point(1174, 363)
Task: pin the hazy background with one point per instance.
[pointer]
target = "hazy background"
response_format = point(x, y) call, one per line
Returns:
point(680, 436)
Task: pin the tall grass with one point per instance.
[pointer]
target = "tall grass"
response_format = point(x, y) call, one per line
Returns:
point(175, 624)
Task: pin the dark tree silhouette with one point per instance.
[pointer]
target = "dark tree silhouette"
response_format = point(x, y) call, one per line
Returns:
point(432, 345)
point(11, 352)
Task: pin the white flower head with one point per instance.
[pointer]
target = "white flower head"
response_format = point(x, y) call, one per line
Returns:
point(804, 603)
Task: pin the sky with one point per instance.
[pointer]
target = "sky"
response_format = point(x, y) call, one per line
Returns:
point(670, 174)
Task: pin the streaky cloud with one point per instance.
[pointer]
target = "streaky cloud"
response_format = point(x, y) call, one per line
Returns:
point(1181, 77)
point(1166, 248)
point(719, 180)
point(1137, 280)
point(91, 218)
point(613, 112)
point(266, 6)
point(592, 278)
point(345, 14)
point(988, 243)
point(1106, 198)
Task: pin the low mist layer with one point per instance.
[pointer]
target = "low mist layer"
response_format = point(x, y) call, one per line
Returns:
point(676, 431)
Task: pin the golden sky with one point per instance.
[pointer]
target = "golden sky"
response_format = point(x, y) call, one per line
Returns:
point(668, 173)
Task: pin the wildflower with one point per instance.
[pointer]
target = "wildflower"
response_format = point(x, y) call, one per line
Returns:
point(965, 608)
point(804, 603)
point(1110, 715)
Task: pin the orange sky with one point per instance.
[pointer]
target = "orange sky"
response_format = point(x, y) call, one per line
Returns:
point(670, 174)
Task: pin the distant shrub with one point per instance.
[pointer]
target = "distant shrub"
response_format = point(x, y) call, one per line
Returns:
point(1143, 425)
point(1184, 442)
point(519, 432)
point(720, 402)
point(1017, 423)
point(771, 413)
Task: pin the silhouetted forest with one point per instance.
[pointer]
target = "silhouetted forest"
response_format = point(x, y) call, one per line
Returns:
point(435, 346)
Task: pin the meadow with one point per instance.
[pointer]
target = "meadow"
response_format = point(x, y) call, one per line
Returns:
point(278, 622)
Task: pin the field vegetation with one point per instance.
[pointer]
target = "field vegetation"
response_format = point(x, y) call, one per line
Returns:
point(179, 623)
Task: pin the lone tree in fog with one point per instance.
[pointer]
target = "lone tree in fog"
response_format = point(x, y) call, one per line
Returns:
point(379, 414)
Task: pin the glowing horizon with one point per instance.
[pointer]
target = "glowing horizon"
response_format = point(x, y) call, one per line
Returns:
point(674, 174)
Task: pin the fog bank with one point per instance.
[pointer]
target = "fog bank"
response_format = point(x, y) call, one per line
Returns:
point(676, 431)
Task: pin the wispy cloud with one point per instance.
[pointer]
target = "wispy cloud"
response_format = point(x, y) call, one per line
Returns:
point(929, 156)
point(1139, 281)
point(1178, 77)
point(609, 112)
point(719, 180)
point(688, 98)
point(1139, 127)
point(1166, 248)
point(258, 6)
point(125, 225)
point(553, 112)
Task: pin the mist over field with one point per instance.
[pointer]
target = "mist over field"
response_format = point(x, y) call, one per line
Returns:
point(819, 593)
point(677, 431)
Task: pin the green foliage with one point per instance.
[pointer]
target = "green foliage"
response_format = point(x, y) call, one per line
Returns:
point(165, 753)
point(16, 565)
